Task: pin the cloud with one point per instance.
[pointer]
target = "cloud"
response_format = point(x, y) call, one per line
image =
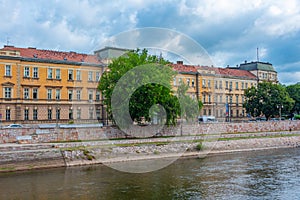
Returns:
point(229, 30)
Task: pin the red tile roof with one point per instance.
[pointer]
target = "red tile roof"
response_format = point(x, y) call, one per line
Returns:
point(54, 55)
point(184, 68)
point(218, 71)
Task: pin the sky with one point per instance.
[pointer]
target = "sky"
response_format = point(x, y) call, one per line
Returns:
point(230, 31)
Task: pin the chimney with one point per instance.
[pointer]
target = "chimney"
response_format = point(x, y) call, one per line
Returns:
point(180, 62)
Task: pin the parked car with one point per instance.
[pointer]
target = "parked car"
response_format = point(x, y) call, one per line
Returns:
point(14, 126)
point(207, 119)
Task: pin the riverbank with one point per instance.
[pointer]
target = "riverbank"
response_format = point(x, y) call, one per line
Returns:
point(16, 157)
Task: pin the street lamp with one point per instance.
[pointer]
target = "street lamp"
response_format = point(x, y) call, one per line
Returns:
point(279, 107)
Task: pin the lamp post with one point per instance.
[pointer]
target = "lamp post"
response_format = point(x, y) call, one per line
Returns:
point(279, 107)
point(230, 101)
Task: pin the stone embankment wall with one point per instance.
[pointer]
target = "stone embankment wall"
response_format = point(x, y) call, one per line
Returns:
point(44, 135)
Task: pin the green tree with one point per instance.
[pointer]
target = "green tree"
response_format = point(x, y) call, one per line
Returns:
point(144, 97)
point(267, 99)
point(189, 107)
point(294, 92)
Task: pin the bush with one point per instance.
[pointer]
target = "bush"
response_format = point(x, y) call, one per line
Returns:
point(297, 117)
point(199, 146)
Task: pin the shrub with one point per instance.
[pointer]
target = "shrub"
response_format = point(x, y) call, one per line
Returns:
point(199, 146)
point(297, 117)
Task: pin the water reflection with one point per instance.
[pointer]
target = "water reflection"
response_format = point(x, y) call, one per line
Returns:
point(256, 175)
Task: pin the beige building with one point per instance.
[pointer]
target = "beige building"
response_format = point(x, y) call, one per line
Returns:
point(44, 86)
point(221, 90)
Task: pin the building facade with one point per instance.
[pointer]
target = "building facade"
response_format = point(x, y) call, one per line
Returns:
point(221, 90)
point(43, 86)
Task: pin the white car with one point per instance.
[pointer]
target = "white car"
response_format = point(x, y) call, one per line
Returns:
point(14, 126)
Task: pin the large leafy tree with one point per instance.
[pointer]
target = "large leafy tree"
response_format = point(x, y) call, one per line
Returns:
point(189, 107)
point(267, 99)
point(146, 96)
point(294, 92)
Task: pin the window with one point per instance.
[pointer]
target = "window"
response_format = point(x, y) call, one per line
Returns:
point(246, 85)
point(70, 74)
point(57, 73)
point(220, 85)
point(49, 94)
point(78, 94)
point(7, 92)
point(70, 113)
point(35, 72)
point(7, 70)
point(216, 84)
point(243, 85)
point(26, 93)
point(209, 98)
point(35, 93)
point(204, 83)
point(193, 83)
point(78, 113)
point(78, 75)
point(221, 99)
point(90, 76)
point(98, 96)
point(50, 73)
point(208, 83)
point(70, 92)
point(35, 114)
point(237, 100)
point(204, 98)
point(91, 113)
point(7, 114)
point(97, 76)
point(98, 113)
point(230, 85)
point(49, 113)
point(188, 82)
point(91, 95)
point(57, 113)
point(236, 85)
point(26, 114)
point(57, 94)
point(226, 84)
point(26, 72)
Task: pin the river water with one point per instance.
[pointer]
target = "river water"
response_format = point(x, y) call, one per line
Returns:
point(271, 174)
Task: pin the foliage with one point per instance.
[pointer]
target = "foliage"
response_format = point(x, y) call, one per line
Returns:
point(294, 92)
point(145, 96)
point(189, 107)
point(267, 99)
point(297, 117)
point(199, 146)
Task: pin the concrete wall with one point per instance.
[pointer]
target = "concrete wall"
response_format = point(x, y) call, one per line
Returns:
point(43, 135)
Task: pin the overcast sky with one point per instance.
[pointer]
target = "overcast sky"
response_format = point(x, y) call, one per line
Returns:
point(229, 30)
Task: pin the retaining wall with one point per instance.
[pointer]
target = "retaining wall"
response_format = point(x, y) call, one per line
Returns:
point(43, 135)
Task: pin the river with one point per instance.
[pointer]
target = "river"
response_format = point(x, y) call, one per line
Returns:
point(271, 174)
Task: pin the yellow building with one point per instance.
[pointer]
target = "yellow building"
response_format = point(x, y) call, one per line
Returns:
point(42, 86)
point(221, 90)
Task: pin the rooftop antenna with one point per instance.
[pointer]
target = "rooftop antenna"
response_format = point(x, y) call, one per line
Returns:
point(257, 54)
point(7, 41)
